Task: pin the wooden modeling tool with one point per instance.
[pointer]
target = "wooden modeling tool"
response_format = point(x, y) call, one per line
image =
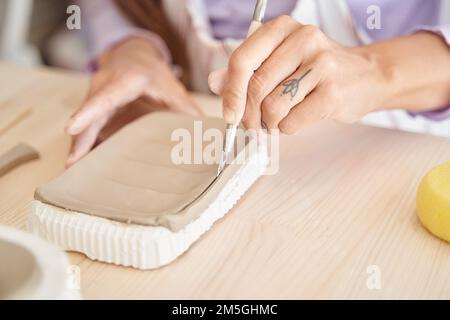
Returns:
point(16, 156)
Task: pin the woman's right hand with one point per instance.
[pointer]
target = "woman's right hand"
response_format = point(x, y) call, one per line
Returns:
point(133, 71)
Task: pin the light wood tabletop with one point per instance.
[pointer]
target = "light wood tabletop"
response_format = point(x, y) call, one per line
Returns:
point(339, 215)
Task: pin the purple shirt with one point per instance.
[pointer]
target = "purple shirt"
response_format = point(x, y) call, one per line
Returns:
point(231, 18)
point(397, 17)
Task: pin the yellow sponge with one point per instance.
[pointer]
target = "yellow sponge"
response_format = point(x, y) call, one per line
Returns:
point(433, 201)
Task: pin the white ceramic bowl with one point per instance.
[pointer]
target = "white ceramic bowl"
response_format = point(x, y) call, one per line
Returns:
point(31, 268)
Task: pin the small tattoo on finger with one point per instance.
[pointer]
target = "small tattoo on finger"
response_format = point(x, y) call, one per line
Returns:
point(291, 86)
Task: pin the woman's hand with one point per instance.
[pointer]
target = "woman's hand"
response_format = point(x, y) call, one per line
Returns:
point(132, 80)
point(287, 76)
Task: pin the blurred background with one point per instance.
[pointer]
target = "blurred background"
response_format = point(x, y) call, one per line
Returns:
point(34, 32)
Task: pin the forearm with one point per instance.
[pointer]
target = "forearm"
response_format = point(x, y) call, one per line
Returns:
point(416, 71)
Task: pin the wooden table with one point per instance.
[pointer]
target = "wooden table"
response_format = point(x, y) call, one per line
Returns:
point(340, 211)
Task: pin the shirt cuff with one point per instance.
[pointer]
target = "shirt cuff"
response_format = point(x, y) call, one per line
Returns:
point(436, 115)
point(443, 31)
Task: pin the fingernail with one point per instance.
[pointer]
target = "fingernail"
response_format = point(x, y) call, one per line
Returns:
point(70, 158)
point(70, 130)
point(73, 127)
point(70, 125)
point(216, 80)
point(68, 164)
point(230, 116)
point(214, 83)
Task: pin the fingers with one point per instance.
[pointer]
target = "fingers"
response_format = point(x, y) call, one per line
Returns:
point(171, 94)
point(175, 99)
point(288, 94)
point(114, 94)
point(321, 103)
point(248, 58)
point(83, 142)
point(264, 81)
point(182, 102)
point(313, 109)
point(282, 63)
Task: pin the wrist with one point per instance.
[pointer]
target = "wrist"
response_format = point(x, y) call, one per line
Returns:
point(131, 49)
point(385, 77)
point(414, 72)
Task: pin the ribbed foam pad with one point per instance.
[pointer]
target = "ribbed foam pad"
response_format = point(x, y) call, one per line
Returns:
point(138, 246)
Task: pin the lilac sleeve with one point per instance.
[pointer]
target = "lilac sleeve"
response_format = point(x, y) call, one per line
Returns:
point(105, 26)
point(443, 113)
point(443, 31)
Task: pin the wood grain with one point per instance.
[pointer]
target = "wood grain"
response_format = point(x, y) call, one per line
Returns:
point(11, 114)
point(343, 200)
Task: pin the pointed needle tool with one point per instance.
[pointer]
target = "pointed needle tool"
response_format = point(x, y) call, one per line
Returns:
point(230, 134)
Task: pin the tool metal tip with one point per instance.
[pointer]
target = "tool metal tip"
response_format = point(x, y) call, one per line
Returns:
point(221, 167)
point(260, 9)
point(230, 136)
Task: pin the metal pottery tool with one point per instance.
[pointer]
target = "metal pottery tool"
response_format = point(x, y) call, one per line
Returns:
point(230, 134)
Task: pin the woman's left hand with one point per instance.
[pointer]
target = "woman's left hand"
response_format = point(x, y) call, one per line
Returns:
point(288, 75)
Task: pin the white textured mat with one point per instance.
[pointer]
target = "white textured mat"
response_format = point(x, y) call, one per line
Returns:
point(142, 247)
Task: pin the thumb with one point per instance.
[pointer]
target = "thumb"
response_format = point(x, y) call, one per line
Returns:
point(216, 81)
